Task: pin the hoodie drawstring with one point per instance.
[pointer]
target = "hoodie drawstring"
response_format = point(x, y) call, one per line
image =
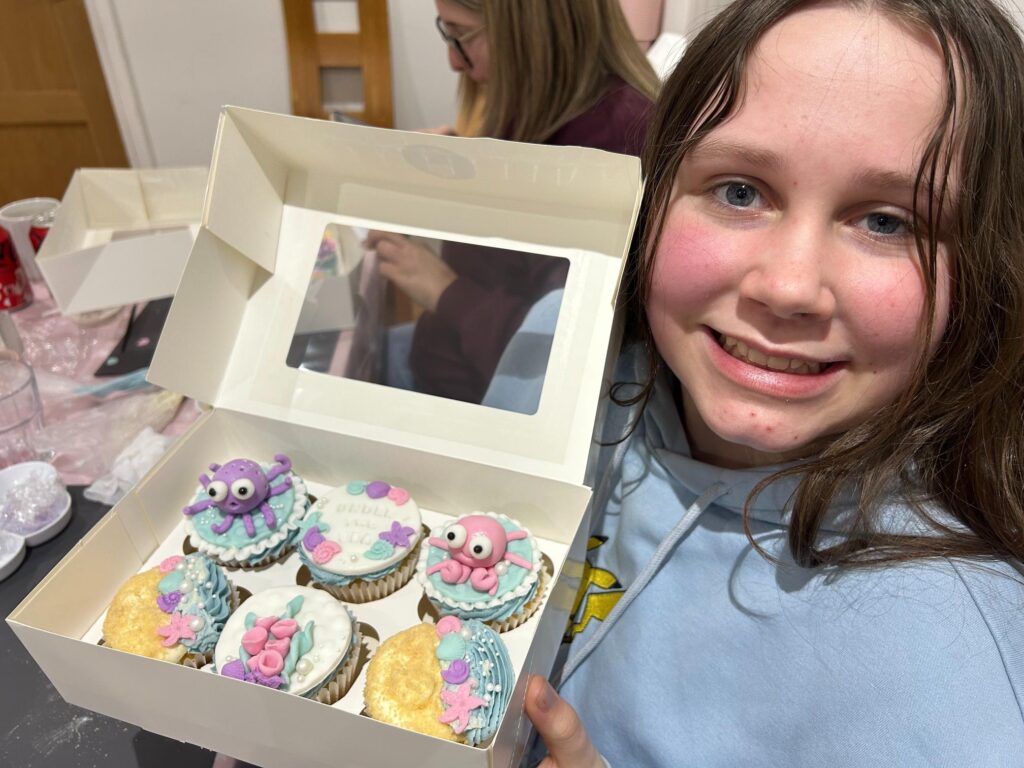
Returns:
point(664, 550)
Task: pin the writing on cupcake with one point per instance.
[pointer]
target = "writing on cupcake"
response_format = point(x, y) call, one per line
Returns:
point(240, 487)
point(273, 649)
point(477, 546)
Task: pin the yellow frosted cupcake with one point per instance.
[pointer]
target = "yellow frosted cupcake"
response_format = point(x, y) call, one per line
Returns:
point(167, 612)
point(453, 680)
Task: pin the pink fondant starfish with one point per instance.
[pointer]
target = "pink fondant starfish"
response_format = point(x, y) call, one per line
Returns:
point(177, 630)
point(459, 702)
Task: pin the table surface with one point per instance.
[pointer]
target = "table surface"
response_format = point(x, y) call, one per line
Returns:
point(37, 727)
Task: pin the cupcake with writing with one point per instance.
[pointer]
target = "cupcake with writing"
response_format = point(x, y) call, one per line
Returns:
point(484, 566)
point(292, 639)
point(452, 680)
point(360, 542)
point(173, 612)
point(247, 514)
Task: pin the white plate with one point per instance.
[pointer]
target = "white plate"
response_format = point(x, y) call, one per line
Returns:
point(10, 475)
point(9, 563)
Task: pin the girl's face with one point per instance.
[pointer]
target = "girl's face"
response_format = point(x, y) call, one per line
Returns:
point(787, 295)
point(468, 28)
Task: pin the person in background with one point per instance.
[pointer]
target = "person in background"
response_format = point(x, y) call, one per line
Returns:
point(810, 517)
point(559, 72)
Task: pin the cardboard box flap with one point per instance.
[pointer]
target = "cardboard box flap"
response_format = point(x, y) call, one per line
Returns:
point(277, 181)
point(121, 236)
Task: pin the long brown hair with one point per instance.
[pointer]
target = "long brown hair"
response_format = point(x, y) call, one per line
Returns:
point(550, 61)
point(955, 438)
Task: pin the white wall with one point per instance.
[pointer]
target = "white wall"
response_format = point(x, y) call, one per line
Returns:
point(685, 17)
point(171, 65)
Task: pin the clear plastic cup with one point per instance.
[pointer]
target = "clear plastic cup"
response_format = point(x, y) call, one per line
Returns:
point(21, 412)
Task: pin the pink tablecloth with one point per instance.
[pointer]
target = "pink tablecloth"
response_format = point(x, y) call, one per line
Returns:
point(64, 352)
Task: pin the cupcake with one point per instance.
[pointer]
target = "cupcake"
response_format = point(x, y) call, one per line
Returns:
point(171, 611)
point(247, 514)
point(292, 639)
point(360, 542)
point(484, 566)
point(453, 680)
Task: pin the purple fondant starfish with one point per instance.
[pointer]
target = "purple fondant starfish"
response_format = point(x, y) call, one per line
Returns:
point(398, 535)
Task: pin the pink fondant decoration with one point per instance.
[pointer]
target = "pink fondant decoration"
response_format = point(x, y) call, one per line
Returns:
point(278, 644)
point(448, 624)
point(266, 622)
point(177, 630)
point(458, 705)
point(398, 495)
point(167, 565)
point(284, 628)
point(270, 662)
point(325, 551)
point(254, 640)
point(484, 580)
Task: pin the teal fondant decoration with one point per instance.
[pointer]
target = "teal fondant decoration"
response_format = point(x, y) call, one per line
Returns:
point(451, 647)
point(302, 643)
point(312, 521)
point(170, 582)
point(356, 487)
point(379, 550)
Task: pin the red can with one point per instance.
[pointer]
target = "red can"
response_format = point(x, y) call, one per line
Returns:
point(40, 226)
point(15, 289)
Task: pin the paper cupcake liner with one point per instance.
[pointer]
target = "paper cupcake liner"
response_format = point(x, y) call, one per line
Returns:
point(346, 675)
point(529, 609)
point(361, 591)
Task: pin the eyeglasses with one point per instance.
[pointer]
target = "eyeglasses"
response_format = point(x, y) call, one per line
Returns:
point(457, 42)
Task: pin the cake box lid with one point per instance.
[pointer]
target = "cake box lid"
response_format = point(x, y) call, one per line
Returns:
point(276, 181)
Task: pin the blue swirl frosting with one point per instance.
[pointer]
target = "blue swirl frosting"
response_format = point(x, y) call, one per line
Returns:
point(208, 597)
point(491, 667)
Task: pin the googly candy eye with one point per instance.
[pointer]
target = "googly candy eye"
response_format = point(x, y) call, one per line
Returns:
point(243, 488)
point(455, 535)
point(217, 490)
point(480, 546)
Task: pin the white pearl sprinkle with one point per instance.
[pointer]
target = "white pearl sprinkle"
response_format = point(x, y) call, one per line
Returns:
point(467, 633)
point(304, 667)
point(497, 688)
point(489, 687)
point(179, 566)
point(209, 585)
point(501, 568)
point(196, 624)
point(185, 586)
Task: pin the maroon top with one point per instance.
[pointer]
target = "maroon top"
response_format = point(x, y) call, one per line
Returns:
point(456, 348)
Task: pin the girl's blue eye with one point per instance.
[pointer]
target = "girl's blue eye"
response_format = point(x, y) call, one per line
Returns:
point(884, 224)
point(738, 194)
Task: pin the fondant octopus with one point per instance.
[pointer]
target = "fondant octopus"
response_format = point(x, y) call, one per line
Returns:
point(239, 487)
point(477, 545)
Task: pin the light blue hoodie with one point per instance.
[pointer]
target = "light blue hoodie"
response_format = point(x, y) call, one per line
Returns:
point(727, 659)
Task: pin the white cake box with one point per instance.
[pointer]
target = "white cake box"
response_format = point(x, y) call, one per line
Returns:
point(275, 183)
point(121, 236)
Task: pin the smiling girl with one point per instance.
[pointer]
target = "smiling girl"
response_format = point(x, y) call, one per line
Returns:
point(811, 508)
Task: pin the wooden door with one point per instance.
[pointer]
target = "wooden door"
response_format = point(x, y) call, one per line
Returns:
point(55, 112)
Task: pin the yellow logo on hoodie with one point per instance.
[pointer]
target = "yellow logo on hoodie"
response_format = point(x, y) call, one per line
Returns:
point(599, 591)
